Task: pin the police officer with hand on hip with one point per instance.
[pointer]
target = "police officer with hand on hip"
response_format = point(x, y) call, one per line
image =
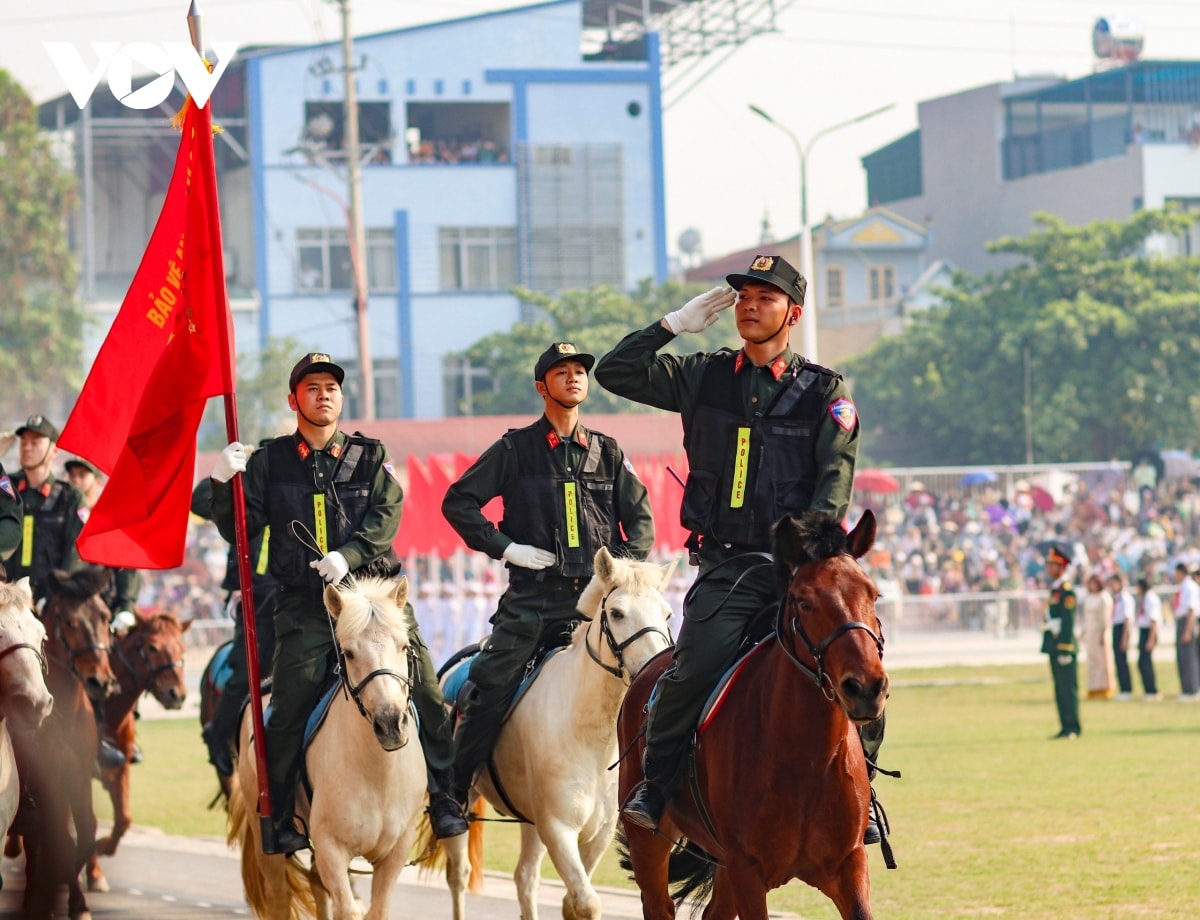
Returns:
point(333, 504)
point(767, 434)
point(567, 491)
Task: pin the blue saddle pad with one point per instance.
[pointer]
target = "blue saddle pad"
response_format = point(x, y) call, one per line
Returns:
point(221, 670)
point(456, 678)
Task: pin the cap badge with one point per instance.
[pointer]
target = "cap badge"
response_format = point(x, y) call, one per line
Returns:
point(319, 358)
point(763, 264)
point(565, 348)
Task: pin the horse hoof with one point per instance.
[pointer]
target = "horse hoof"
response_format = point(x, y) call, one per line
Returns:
point(100, 884)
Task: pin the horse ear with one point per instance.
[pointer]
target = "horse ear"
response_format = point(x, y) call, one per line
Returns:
point(787, 550)
point(862, 537)
point(25, 591)
point(400, 592)
point(667, 572)
point(185, 626)
point(333, 601)
point(604, 564)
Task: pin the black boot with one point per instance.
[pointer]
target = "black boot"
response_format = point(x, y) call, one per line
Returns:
point(446, 808)
point(645, 806)
point(220, 755)
point(288, 840)
point(871, 835)
point(109, 756)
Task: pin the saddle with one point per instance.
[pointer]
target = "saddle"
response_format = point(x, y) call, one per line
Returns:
point(457, 687)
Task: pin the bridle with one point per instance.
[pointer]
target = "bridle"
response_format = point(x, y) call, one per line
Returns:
point(818, 676)
point(38, 653)
point(75, 654)
point(617, 648)
point(146, 683)
point(354, 691)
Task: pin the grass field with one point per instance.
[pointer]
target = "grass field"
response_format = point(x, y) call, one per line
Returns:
point(990, 818)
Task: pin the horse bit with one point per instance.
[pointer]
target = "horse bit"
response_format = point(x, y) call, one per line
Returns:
point(617, 648)
point(819, 676)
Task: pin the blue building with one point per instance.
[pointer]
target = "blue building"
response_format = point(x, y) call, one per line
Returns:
point(496, 153)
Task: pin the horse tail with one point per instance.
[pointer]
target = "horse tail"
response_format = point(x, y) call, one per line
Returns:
point(691, 873)
point(241, 833)
point(433, 854)
point(475, 846)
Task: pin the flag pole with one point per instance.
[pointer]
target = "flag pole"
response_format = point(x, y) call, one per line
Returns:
point(241, 542)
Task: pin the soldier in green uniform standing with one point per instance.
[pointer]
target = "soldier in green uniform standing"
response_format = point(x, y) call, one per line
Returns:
point(767, 433)
point(1058, 641)
point(567, 491)
point(54, 510)
point(333, 504)
point(12, 516)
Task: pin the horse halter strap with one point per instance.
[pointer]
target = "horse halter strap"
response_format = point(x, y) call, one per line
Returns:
point(617, 648)
point(147, 682)
point(353, 691)
point(75, 653)
point(818, 677)
point(16, 647)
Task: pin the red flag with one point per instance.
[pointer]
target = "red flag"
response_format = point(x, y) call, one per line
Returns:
point(137, 416)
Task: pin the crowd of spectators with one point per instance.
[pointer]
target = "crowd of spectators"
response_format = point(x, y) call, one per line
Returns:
point(983, 540)
point(457, 151)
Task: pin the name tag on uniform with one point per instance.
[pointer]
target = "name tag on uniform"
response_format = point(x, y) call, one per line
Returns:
point(741, 466)
point(321, 524)
point(572, 508)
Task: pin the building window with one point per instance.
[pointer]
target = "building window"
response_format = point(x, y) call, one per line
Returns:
point(324, 131)
point(477, 258)
point(881, 282)
point(323, 260)
point(835, 287)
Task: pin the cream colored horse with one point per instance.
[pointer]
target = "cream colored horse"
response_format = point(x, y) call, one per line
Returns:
point(25, 702)
point(555, 750)
point(366, 768)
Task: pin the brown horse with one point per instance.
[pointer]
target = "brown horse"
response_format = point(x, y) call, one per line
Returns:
point(56, 762)
point(147, 659)
point(780, 788)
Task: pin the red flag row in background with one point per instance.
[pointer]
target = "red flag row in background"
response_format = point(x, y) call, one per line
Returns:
point(423, 529)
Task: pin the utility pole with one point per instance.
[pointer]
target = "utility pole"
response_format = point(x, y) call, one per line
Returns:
point(357, 234)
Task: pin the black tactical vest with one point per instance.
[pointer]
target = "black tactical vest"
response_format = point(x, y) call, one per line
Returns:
point(572, 515)
point(49, 526)
point(747, 471)
point(338, 510)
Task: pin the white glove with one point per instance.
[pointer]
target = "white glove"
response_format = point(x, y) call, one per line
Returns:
point(333, 567)
point(1065, 660)
point(1054, 625)
point(231, 460)
point(123, 622)
point(701, 312)
point(528, 557)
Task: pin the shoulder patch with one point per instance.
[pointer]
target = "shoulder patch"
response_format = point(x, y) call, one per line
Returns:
point(84, 513)
point(391, 471)
point(844, 413)
point(6, 487)
point(1069, 602)
point(629, 467)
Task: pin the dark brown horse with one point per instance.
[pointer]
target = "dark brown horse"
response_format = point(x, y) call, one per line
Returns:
point(147, 659)
point(781, 787)
point(56, 762)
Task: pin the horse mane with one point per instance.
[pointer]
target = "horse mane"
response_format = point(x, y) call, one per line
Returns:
point(369, 600)
point(636, 577)
point(81, 584)
point(804, 538)
point(11, 597)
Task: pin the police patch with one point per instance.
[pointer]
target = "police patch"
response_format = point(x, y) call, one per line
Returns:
point(391, 471)
point(6, 487)
point(84, 513)
point(844, 413)
point(629, 466)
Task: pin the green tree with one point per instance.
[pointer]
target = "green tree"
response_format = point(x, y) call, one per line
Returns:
point(1110, 333)
point(261, 397)
point(595, 320)
point(41, 324)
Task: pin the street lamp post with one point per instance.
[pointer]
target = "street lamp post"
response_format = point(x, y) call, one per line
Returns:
point(806, 267)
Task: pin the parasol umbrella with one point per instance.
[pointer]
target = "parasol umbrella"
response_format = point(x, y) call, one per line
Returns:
point(873, 480)
point(1042, 500)
point(978, 478)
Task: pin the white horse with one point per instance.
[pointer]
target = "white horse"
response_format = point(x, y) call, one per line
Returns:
point(554, 752)
point(25, 702)
point(366, 768)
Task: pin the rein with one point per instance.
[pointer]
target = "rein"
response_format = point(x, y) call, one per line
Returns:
point(17, 646)
point(617, 648)
point(818, 676)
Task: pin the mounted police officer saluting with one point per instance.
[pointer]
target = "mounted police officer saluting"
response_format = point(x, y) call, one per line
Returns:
point(333, 504)
point(54, 510)
point(767, 433)
point(567, 492)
